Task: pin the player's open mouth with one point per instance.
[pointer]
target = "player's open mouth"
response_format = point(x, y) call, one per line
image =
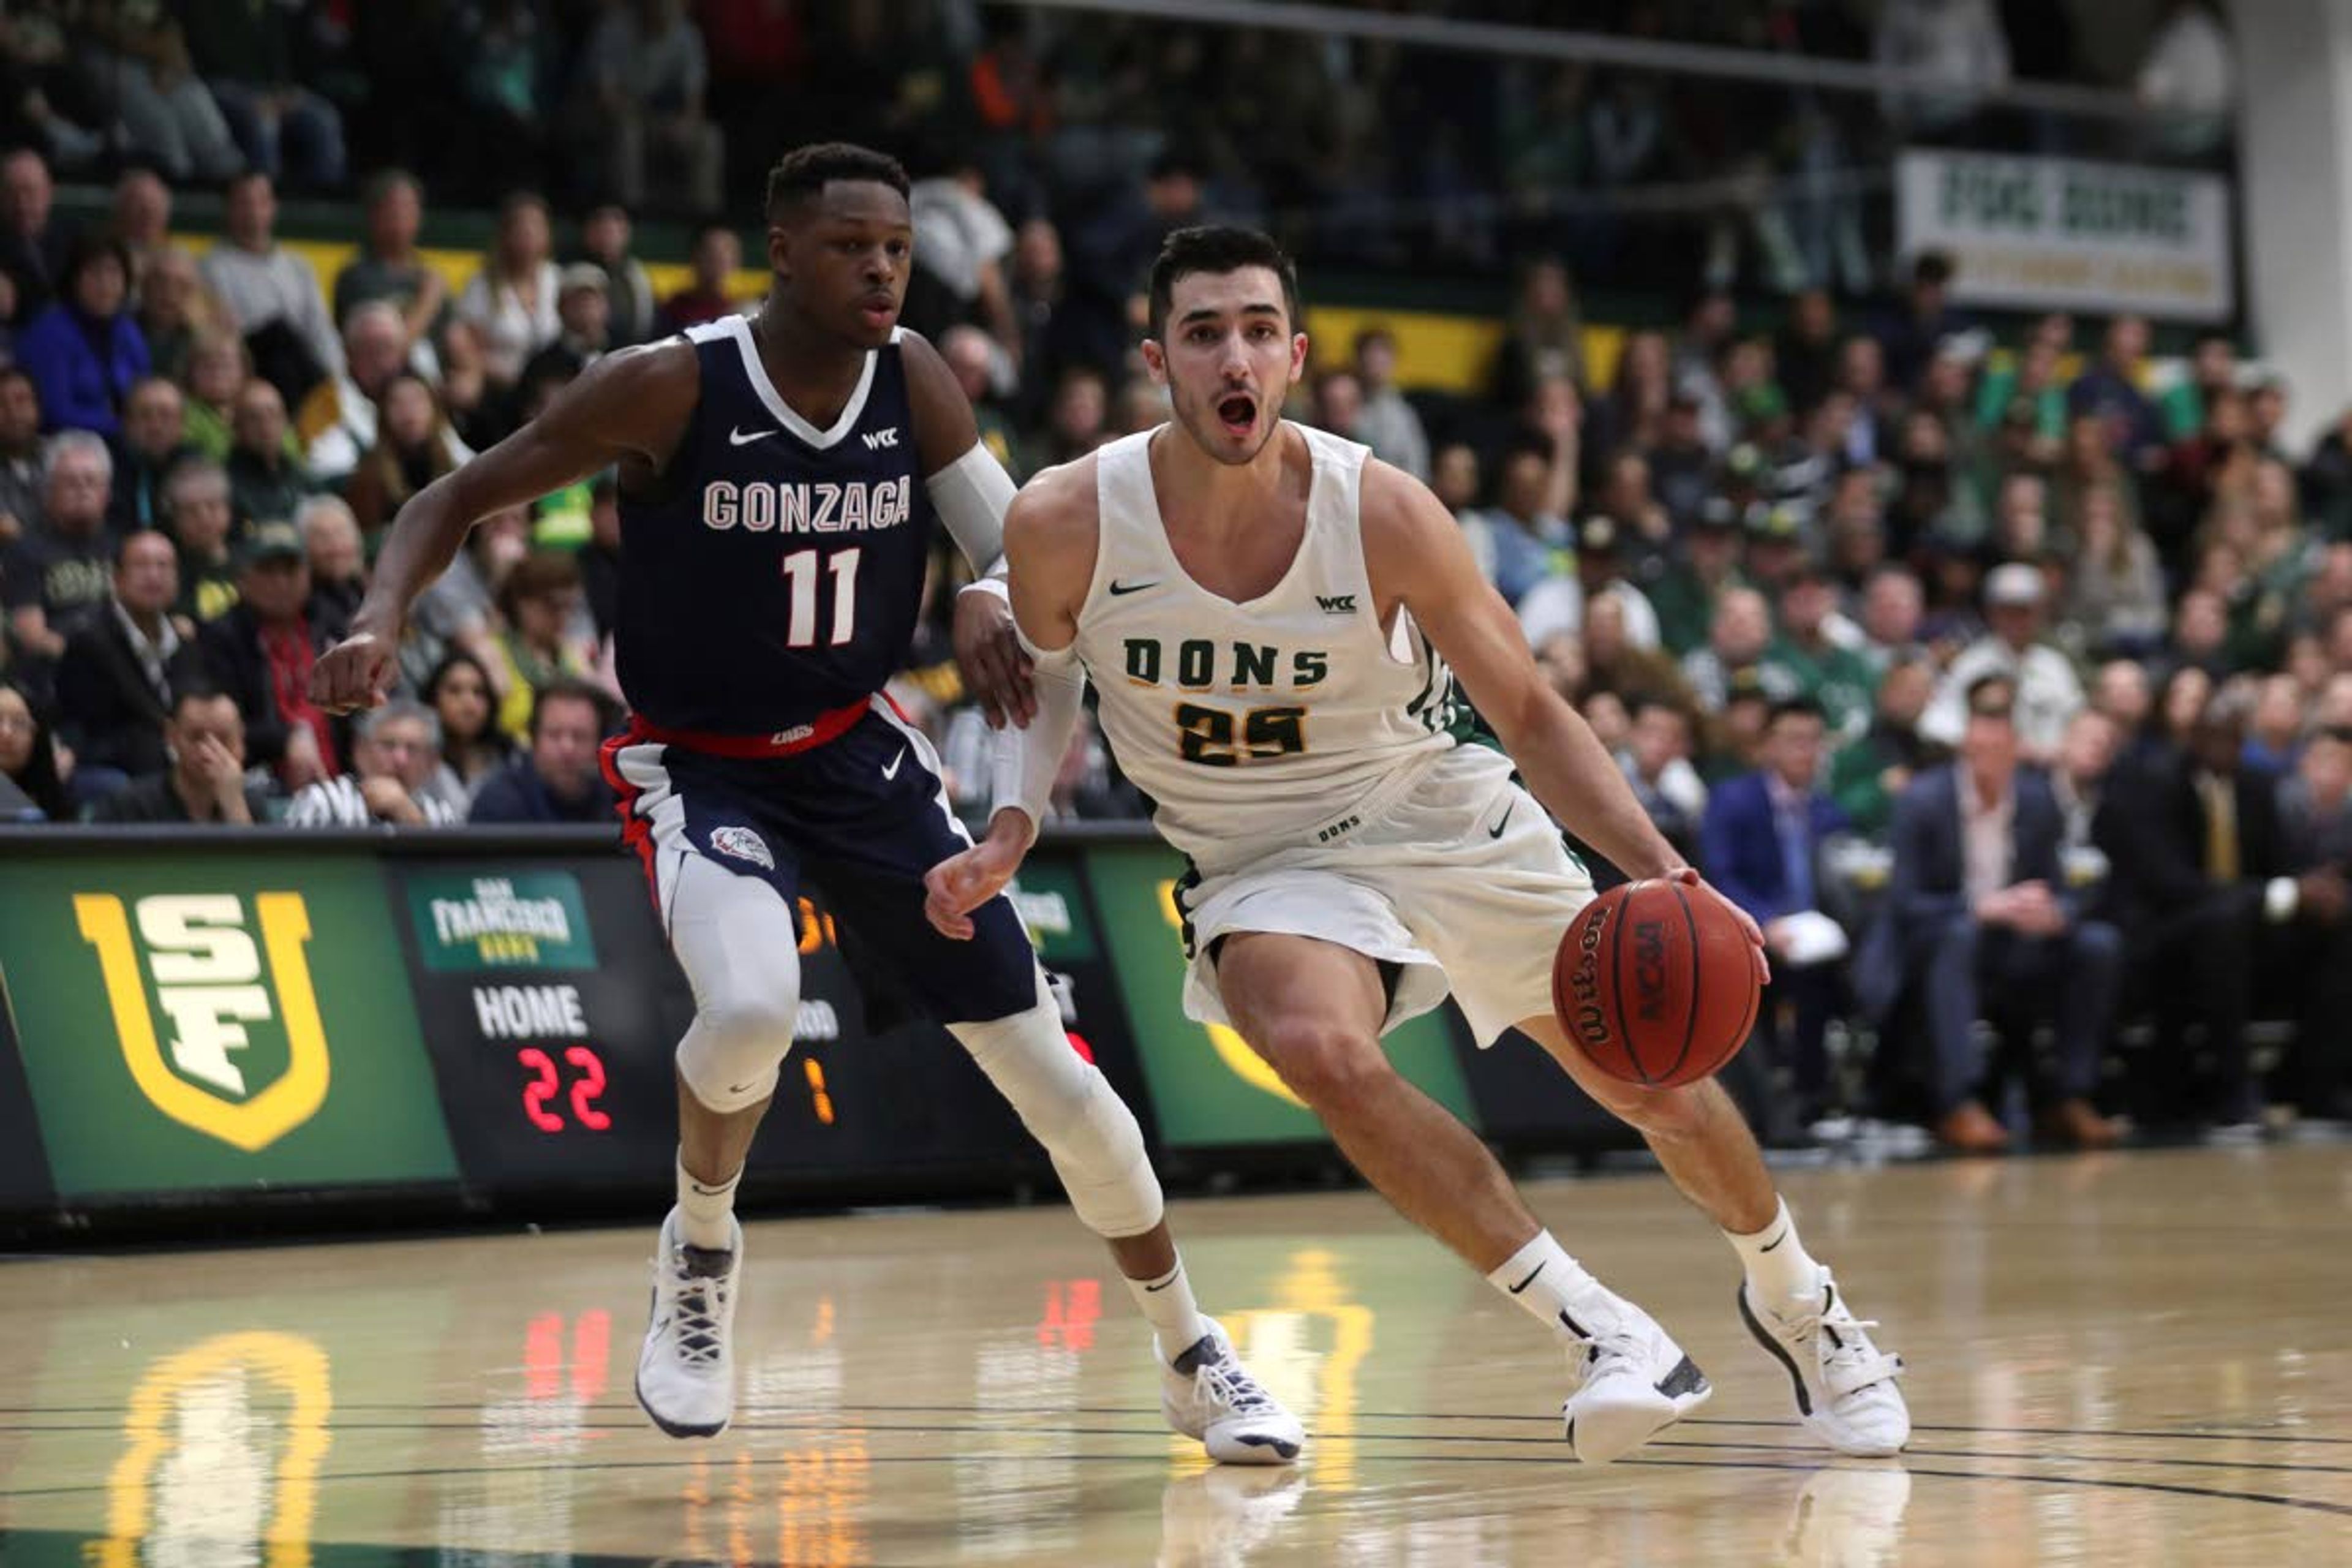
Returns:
point(1238, 413)
point(878, 309)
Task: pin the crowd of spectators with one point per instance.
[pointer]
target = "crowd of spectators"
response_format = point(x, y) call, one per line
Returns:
point(199, 458)
point(2005, 676)
point(1365, 149)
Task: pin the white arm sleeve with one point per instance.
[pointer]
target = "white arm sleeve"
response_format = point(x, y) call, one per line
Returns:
point(971, 494)
point(1027, 760)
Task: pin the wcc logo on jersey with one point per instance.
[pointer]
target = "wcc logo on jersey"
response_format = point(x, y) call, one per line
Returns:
point(212, 1007)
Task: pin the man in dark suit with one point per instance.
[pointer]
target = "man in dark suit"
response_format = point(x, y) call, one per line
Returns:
point(2317, 808)
point(1980, 917)
point(558, 779)
point(1759, 844)
point(120, 663)
point(2206, 888)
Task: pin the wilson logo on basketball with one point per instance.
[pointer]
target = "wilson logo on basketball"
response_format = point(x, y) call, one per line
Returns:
point(242, 1056)
point(1586, 1016)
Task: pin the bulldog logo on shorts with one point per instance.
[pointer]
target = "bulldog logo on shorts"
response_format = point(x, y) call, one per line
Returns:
point(742, 844)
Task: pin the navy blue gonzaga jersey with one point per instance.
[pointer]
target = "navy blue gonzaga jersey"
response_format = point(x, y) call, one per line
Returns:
point(773, 575)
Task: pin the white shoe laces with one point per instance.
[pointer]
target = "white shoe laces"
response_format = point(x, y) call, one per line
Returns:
point(1231, 1388)
point(1848, 1359)
point(695, 1311)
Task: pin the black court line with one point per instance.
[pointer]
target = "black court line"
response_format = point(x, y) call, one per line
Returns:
point(474, 1407)
point(830, 1424)
point(2273, 1500)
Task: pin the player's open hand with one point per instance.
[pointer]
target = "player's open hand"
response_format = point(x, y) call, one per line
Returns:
point(988, 650)
point(1689, 877)
point(960, 884)
point(355, 673)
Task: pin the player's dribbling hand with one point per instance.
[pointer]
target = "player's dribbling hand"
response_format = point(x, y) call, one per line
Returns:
point(995, 669)
point(355, 673)
point(1689, 877)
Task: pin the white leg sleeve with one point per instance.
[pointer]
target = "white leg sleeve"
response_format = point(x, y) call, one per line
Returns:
point(736, 938)
point(1070, 1108)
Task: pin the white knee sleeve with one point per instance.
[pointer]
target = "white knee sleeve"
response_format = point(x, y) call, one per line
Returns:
point(1070, 1108)
point(739, 946)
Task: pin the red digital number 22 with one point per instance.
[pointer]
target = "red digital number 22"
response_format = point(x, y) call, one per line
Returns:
point(547, 1082)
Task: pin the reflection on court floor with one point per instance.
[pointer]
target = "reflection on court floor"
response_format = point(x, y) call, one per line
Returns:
point(2136, 1359)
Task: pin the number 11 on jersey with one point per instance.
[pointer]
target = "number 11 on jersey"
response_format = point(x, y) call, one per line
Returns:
point(800, 573)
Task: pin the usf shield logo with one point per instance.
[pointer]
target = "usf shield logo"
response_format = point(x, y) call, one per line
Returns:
point(229, 985)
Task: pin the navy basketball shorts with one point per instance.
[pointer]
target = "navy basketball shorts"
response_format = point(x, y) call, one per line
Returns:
point(862, 815)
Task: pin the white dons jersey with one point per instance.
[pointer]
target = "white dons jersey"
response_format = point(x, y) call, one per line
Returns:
point(1255, 723)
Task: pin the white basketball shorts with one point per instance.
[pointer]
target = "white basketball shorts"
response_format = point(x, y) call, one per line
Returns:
point(1462, 880)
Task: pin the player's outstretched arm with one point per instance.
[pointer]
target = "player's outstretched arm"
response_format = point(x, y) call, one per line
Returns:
point(632, 403)
point(1049, 547)
point(1414, 549)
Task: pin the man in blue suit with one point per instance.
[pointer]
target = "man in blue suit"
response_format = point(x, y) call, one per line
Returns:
point(1760, 846)
point(1981, 918)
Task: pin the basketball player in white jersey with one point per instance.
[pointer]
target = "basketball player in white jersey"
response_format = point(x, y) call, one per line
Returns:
point(1269, 618)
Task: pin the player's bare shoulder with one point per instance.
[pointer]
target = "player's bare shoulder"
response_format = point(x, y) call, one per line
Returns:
point(945, 428)
point(638, 400)
point(1051, 537)
point(1052, 524)
point(1411, 541)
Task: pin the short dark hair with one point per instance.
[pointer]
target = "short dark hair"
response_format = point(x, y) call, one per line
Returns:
point(1217, 248)
point(567, 689)
point(122, 545)
point(383, 181)
point(804, 172)
point(1993, 681)
point(541, 573)
point(1795, 708)
point(1933, 266)
point(1643, 702)
point(1175, 163)
point(195, 688)
point(89, 248)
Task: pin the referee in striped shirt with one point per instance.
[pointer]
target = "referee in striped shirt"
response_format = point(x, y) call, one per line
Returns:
point(396, 753)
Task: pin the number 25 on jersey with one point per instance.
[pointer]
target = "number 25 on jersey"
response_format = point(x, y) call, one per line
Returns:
point(801, 568)
point(1205, 735)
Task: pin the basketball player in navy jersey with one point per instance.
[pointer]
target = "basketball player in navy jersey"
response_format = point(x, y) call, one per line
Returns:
point(780, 478)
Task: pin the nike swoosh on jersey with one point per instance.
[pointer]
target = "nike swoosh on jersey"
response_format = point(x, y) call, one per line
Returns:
point(1496, 831)
point(892, 771)
point(736, 438)
point(1118, 588)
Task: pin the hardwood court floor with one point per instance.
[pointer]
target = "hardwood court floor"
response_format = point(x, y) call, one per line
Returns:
point(2141, 1358)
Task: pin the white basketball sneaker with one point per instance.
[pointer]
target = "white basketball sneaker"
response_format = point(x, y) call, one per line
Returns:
point(1206, 1393)
point(1844, 1385)
point(686, 1373)
point(1632, 1381)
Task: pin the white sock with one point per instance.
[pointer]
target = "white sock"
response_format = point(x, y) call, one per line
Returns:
point(1167, 1303)
point(1781, 1272)
point(1552, 1286)
point(704, 1212)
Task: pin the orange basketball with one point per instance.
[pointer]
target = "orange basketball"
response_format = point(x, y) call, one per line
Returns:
point(1655, 982)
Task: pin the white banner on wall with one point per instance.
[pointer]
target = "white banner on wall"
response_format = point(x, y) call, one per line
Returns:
point(2055, 233)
